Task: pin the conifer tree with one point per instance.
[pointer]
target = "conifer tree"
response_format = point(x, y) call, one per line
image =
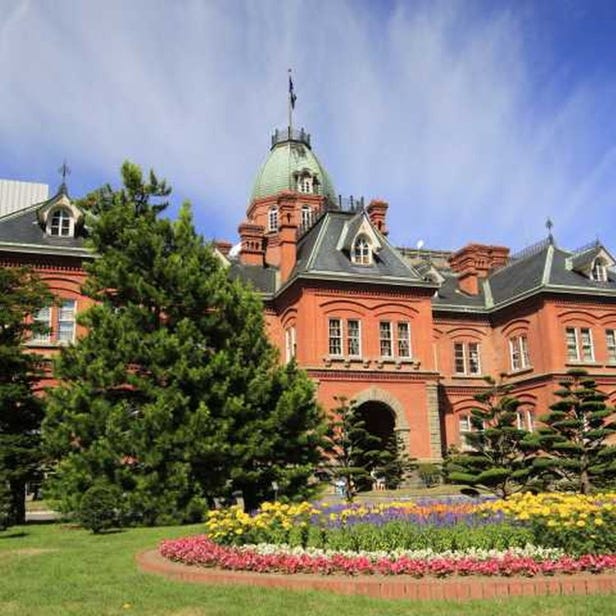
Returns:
point(352, 452)
point(22, 295)
point(575, 432)
point(174, 396)
point(500, 455)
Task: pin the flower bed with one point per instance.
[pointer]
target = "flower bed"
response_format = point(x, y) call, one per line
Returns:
point(527, 535)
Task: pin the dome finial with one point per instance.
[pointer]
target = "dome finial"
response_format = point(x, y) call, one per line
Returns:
point(548, 225)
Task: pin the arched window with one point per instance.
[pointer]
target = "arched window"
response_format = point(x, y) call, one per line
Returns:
point(306, 216)
point(272, 219)
point(361, 253)
point(61, 223)
point(598, 272)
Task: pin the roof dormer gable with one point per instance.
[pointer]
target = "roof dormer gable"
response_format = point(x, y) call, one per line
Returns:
point(360, 240)
point(60, 217)
point(594, 263)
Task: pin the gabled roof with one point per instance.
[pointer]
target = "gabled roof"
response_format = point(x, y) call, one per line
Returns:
point(23, 231)
point(323, 253)
point(543, 267)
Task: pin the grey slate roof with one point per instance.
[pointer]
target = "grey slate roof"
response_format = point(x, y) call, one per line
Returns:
point(543, 268)
point(260, 278)
point(318, 255)
point(22, 231)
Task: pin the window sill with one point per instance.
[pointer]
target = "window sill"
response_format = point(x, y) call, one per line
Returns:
point(379, 362)
point(474, 377)
point(525, 370)
point(582, 363)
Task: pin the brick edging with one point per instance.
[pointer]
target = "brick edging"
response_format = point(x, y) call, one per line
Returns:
point(388, 587)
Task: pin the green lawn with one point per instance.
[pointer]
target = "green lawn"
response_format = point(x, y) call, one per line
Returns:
point(56, 569)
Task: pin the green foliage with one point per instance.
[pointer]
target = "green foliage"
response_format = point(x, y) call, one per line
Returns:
point(99, 508)
point(500, 456)
point(352, 452)
point(429, 474)
point(394, 464)
point(22, 295)
point(574, 435)
point(174, 395)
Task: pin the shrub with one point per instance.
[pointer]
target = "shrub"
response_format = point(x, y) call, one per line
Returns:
point(430, 474)
point(98, 509)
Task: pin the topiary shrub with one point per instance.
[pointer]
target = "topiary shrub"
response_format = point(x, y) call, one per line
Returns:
point(429, 474)
point(98, 509)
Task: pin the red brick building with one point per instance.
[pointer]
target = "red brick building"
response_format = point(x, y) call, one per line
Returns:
point(405, 333)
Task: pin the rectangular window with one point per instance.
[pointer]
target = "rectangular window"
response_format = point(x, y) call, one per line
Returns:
point(518, 347)
point(466, 358)
point(588, 352)
point(43, 317)
point(572, 344)
point(610, 336)
point(385, 339)
point(353, 338)
point(460, 358)
point(404, 339)
point(335, 337)
point(66, 321)
point(524, 421)
point(289, 343)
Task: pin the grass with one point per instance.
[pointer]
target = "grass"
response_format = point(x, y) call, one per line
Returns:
point(56, 569)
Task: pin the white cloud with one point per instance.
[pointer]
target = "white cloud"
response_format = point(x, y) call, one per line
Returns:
point(439, 109)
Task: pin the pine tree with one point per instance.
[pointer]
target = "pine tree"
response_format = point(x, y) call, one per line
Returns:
point(352, 452)
point(500, 455)
point(22, 295)
point(174, 396)
point(575, 432)
point(394, 463)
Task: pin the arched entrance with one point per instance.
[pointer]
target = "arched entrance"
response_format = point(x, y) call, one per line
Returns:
point(379, 420)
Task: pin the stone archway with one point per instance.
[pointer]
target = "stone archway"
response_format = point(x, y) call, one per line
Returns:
point(400, 421)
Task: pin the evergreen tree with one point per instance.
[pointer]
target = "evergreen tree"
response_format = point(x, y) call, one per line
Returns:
point(575, 432)
point(500, 456)
point(174, 396)
point(352, 452)
point(22, 295)
point(394, 463)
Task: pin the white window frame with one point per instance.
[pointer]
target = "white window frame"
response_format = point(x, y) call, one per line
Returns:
point(290, 344)
point(467, 355)
point(305, 184)
point(272, 219)
point(518, 353)
point(353, 338)
point(361, 254)
point(66, 321)
point(334, 337)
point(403, 339)
point(525, 420)
point(580, 345)
point(386, 340)
point(61, 223)
point(610, 340)
point(598, 271)
point(306, 215)
point(42, 316)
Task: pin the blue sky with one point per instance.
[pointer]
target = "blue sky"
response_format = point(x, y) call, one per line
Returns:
point(474, 120)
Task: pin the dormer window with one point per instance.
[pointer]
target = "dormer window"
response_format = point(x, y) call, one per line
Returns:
point(272, 219)
point(598, 272)
point(361, 253)
point(304, 184)
point(61, 223)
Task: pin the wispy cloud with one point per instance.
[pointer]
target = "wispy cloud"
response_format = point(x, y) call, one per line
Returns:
point(456, 115)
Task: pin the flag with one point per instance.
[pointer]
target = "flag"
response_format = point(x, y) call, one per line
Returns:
point(292, 96)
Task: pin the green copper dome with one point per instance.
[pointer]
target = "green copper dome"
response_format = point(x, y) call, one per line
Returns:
point(290, 158)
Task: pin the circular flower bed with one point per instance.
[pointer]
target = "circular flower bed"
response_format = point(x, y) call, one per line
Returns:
point(527, 535)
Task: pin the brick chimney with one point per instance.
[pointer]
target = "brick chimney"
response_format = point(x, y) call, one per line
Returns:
point(287, 235)
point(377, 211)
point(474, 262)
point(223, 247)
point(252, 250)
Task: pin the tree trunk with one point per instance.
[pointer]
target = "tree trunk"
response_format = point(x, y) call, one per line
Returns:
point(18, 502)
